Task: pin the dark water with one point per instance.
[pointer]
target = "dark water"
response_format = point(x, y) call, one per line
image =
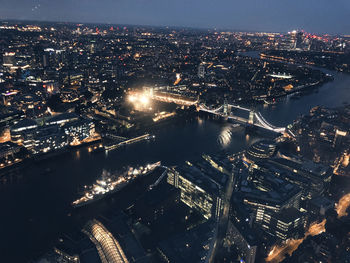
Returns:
point(35, 204)
point(332, 94)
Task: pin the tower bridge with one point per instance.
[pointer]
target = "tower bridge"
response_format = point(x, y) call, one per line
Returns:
point(254, 119)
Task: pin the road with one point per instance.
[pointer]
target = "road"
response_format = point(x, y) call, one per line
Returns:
point(223, 221)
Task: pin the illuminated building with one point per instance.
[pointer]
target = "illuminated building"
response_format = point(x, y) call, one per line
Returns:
point(79, 129)
point(107, 246)
point(299, 39)
point(313, 178)
point(265, 196)
point(62, 119)
point(56, 134)
point(47, 138)
point(11, 118)
point(264, 191)
point(287, 223)
point(197, 190)
point(51, 87)
point(201, 70)
point(27, 102)
point(261, 150)
point(74, 79)
point(8, 149)
point(20, 127)
point(339, 138)
point(52, 58)
point(9, 59)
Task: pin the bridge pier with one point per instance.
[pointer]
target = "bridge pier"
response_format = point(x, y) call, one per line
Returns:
point(251, 117)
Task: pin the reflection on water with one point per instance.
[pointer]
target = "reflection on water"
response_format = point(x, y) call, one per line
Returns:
point(225, 136)
point(77, 155)
point(200, 121)
point(39, 202)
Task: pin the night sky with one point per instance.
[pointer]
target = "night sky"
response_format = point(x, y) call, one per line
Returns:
point(315, 16)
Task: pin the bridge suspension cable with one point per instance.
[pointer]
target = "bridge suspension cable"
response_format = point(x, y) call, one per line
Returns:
point(261, 121)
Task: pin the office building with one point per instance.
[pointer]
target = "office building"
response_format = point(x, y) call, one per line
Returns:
point(79, 130)
point(285, 224)
point(244, 240)
point(197, 190)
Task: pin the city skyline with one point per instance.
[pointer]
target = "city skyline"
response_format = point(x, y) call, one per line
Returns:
point(122, 143)
point(272, 16)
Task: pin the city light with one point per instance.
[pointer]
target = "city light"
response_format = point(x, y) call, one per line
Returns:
point(132, 98)
point(254, 166)
point(140, 100)
point(278, 252)
point(144, 100)
point(342, 205)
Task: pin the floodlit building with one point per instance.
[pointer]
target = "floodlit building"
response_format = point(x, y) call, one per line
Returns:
point(107, 246)
point(20, 127)
point(49, 138)
point(63, 118)
point(79, 129)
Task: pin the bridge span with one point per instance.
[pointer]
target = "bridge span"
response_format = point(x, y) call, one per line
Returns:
point(255, 118)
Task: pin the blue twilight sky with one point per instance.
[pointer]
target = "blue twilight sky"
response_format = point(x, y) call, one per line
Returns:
point(315, 16)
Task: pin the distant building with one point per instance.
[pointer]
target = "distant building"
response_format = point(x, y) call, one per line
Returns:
point(8, 149)
point(9, 59)
point(201, 70)
point(10, 118)
point(339, 138)
point(299, 39)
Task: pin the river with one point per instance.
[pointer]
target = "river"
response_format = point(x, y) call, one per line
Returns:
point(35, 204)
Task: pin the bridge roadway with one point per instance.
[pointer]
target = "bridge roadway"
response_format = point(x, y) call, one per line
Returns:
point(173, 99)
point(261, 122)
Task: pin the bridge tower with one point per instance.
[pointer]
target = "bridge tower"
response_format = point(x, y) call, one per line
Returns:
point(225, 107)
point(251, 117)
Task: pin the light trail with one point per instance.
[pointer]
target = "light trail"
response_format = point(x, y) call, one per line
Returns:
point(145, 97)
point(6, 136)
point(278, 252)
point(342, 205)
